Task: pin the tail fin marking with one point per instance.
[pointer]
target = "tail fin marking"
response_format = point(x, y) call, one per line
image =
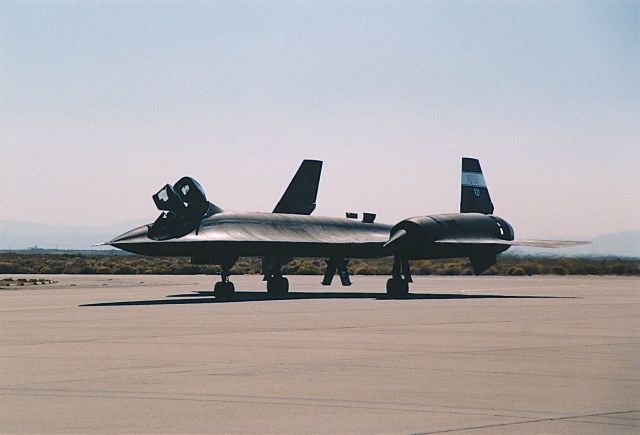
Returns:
point(474, 197)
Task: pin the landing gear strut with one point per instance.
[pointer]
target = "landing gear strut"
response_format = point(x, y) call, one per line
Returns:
point(398, 284)
point(225, 288)
point(339, 265)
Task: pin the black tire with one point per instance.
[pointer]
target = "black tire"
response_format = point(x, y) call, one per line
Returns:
point(277, 286)
point(224, 290)
point(404, 288)
point(397, 288)
point(285, 285)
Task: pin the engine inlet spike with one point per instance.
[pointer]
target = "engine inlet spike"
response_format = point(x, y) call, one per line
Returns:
point(395, 237)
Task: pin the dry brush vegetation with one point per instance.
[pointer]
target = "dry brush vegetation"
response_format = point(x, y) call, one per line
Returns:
point(27, 263)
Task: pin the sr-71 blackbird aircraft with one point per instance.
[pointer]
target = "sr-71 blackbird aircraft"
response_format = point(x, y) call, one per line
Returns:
point(193, 227)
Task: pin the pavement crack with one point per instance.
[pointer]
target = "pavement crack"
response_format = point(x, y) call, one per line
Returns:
point(538, 420)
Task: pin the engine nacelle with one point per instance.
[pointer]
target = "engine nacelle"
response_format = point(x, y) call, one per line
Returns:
point(416, 237)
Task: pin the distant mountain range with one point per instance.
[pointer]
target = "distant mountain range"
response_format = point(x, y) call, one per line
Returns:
point(622, 244)
point(24, 235)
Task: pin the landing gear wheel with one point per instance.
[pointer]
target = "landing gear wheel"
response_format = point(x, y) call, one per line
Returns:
point(224, 290)
point(277, 286)
point(397, 287)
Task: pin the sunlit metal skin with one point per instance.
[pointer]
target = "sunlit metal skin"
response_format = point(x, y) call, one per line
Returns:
point(192, 227)
point(426, 236)
point(241, 234)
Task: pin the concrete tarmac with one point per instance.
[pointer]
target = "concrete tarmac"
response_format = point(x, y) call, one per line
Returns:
point(158, 354)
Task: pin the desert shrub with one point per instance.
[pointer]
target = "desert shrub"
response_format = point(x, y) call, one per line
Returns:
point(620, 269)
point(211, 270)
point(585, 270)
point(516, 271)
point(133, 264)
point(452, 270)
point(559, 270)
point(531, 268)
point(6, 267)
point(123, 269)
point(467, 271)
point(306, 270)
point(421, 269)
point(87, 270)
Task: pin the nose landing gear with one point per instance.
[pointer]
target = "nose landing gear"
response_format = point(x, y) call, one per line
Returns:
point(225, 288)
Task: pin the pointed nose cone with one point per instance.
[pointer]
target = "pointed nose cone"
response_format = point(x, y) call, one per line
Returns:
point(136, 235)
point(395, 239)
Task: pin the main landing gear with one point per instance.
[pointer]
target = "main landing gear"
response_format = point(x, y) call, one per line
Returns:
point(398, 284)
point(277, 285)
point(225, 288)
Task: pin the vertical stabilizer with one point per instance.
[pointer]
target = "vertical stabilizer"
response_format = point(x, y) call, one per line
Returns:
point(300, 196)
point(474, 194)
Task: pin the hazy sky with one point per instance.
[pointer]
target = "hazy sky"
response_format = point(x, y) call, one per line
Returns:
point(102, 103)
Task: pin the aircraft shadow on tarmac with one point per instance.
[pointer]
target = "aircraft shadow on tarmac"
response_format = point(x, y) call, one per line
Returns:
point(207, 297)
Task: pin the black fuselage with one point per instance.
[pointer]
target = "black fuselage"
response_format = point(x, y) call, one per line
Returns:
point(234, 234)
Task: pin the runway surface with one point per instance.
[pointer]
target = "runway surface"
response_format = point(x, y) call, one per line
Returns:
point(465, 354)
